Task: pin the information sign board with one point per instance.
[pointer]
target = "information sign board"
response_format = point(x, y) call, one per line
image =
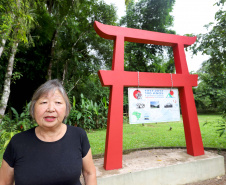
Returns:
point(148, 105)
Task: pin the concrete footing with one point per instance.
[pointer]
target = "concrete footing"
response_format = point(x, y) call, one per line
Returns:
point(161, 166)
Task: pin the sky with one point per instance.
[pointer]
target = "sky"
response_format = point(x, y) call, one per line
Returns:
point(190, 16)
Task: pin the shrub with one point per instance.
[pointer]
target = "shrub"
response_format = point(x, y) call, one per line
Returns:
point(88, 114)
point(11, 126)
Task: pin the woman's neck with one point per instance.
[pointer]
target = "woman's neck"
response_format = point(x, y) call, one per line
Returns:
point(51, 134)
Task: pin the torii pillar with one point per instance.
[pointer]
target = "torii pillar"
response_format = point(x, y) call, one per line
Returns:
point(117, 79)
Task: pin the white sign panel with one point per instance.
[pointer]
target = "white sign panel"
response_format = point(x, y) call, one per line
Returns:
point(148, 105)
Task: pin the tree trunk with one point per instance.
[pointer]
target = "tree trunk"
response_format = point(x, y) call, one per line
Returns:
point(4, 38)
point(8, 76)
point(64, 72)
point(52, 53)
point(2, 47)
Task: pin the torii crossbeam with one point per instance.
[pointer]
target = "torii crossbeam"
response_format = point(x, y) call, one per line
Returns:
point(117, 79)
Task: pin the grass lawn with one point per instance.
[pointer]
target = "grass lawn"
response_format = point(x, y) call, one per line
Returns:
point(158, 135)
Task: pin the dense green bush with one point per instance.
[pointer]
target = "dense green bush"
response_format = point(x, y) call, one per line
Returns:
point(15, 124)
point(88, 114)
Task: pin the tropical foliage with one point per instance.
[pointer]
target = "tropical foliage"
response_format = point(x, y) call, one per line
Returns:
point(211, 91)
point(15, 123)
point(210, 94)
point(64, 46)
point(88, 114)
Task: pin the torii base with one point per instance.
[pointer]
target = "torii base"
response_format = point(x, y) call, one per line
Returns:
point(161, 166)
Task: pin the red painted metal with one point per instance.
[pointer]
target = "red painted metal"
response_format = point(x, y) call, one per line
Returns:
point(117, 79)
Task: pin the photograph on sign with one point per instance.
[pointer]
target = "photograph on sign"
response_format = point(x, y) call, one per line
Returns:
point(148, 105)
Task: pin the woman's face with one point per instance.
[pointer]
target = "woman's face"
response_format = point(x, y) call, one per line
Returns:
point(50, 110)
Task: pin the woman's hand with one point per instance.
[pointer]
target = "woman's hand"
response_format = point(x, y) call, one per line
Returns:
point(6, 174)
point(88, 169)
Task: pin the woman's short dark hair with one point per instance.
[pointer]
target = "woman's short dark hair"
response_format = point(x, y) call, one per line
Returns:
point(50, 86)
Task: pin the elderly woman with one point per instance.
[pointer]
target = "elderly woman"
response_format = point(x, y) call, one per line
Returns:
point(51, 153)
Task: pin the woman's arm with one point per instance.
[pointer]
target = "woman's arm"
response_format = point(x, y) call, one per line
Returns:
point(88, 169)
point(6, 174)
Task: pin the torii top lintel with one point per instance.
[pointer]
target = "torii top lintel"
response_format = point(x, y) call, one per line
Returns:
point(141, 36)
point(120, 35)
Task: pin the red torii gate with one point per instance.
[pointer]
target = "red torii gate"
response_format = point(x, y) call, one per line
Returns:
point(117, 79)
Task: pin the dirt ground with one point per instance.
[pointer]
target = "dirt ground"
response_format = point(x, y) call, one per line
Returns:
point(143, 156)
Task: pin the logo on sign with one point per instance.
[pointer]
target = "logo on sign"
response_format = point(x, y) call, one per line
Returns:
point(170, 95)
point(137, 94)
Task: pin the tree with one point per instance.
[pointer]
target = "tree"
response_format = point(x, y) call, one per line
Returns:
point(78, 51)
point(59, 11)
point(127, 2)
point(211, 91)
point(18, 20)
point(152, 15)
point(5, 22)
point(73, 26)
